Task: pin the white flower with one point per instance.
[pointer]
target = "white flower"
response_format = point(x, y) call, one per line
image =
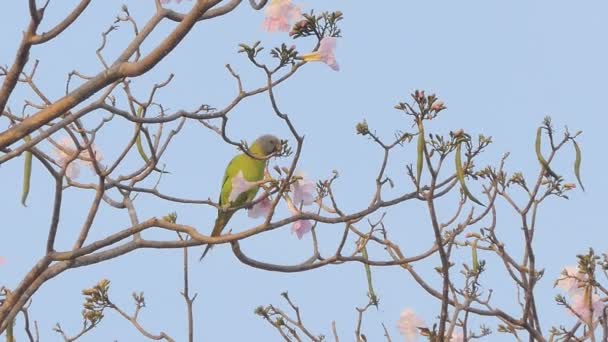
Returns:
point(580, 305)
point(408, 325)
point(260, 209)
point(66, 151)
point(239, 186)
point(302, 190)
point(571, 281)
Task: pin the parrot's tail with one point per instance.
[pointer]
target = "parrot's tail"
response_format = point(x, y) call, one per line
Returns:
point(220, 222)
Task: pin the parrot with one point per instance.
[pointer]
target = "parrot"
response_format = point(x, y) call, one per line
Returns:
point(252, 170)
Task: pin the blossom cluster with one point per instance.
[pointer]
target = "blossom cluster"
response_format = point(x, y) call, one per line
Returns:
point(410, 325)
point(281, 16)
point(64, 152)
point(582, 302)
point(302, 194)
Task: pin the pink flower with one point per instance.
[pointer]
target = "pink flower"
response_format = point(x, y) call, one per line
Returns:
point(279, 15)
point(2, 261)
point(570, 283)
point(408, 325)
point(325, 53)
point(302, 190)
point(438, 106)
point(299, 227)
point(457, 336)
point(66, 151)
point(260, 209)
point(239, 185)
point(580, 305)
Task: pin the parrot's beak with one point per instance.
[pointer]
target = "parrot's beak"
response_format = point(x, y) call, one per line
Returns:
point(277, 147)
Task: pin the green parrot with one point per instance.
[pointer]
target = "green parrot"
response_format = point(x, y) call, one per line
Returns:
point(252, 170)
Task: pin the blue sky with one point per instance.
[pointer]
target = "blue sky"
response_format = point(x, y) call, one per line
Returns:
point(500, 67)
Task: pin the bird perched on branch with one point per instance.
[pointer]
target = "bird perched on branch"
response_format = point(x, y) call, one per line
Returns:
point(243, 169)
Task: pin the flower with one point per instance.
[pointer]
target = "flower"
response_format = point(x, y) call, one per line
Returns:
point(457, 336)
point(408, 325)
point(239, 185)
point(580, 306)
point(279, 15)
point(438, 106)
point(324, 54)
point(302, 190)
point(260, 209)
point(299, 227)
point(571, 281)
point(66, 151)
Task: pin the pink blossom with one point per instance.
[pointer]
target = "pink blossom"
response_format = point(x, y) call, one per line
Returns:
point(260, 209)
point(65, 152)
point(408, 325)
point(438, 106)
point(2, 261)
point(279, 15)
point(239, 185)
point(299, 227)
point(302, 190)
point(580, 305)
point(457, 336)
point(324, 54)
point(570, 283)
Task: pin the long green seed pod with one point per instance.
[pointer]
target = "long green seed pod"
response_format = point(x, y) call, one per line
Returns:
point(577, 164)
point(27, 173)
point(460, 175)
point(139, 145)
point(539, 154)
point(420, 151)
point(474, 256)
point(368, 274)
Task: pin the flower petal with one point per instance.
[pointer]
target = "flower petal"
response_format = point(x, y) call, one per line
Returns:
point(239, 185)
point(260, 209)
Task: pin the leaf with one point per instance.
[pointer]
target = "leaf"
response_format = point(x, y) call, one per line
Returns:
point(577, 164)
point(27, 173)
point(539, 154)
point(368, 274)
point(460, 175)
point(420, 151)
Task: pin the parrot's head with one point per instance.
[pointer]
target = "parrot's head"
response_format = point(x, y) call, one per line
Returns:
point(268, 144)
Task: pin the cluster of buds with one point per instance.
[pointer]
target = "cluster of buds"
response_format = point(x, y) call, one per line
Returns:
point(96, 300)
point(285, 55)
point(362, 128)
point(430, 103)
point(311, 24)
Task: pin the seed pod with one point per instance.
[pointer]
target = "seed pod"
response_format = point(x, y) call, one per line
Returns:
point(539, 154)
point(460, 175)
point(577, 164)
point(420, 151)
point(27, 173)
point(474, 256)
point(368, 274)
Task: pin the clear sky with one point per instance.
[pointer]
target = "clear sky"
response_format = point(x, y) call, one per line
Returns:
point(500, 67)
